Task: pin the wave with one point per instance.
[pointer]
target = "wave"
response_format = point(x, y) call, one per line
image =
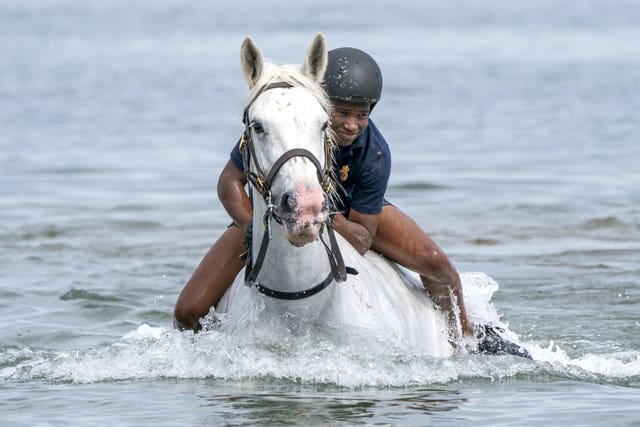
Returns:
point(82, 294)
point(604, 222)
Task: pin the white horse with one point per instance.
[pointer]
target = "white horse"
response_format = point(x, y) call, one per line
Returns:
point(295, 263)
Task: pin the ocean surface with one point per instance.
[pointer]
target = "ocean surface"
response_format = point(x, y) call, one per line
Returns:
point(514, 128)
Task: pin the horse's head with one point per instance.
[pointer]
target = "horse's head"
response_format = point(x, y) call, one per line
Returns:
point(286, 147)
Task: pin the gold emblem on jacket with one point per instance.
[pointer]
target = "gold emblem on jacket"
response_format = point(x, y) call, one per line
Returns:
point(344, 173)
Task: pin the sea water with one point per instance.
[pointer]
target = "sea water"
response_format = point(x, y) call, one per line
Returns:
point(514, 132)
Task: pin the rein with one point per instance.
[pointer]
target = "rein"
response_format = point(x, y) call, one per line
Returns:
point(262, 184)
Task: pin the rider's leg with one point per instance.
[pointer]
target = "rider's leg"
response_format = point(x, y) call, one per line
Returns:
point(400, 239)
point(211, 279)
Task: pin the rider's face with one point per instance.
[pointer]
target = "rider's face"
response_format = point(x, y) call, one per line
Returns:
point(349, 121)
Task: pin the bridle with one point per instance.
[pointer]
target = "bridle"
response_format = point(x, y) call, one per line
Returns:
point(261, 183)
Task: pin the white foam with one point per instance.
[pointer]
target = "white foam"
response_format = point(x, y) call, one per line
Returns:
point(287, 350)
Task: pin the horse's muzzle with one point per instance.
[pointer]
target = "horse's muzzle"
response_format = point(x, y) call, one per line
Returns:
point(302, 213)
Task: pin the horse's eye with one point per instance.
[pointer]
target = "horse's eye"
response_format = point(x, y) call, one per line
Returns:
point(257, 128)
point(325, 126)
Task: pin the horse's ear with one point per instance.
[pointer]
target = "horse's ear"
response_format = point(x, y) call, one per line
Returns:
point(251, 61)
point(316, 61)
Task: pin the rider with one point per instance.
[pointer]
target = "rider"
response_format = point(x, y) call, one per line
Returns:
point(354, 84)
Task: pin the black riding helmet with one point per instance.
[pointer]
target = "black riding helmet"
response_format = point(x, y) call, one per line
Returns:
point(353, 76)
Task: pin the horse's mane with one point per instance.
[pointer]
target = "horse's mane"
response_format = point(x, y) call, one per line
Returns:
point(291, 74)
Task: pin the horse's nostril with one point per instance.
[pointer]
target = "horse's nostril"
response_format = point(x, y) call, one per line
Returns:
point(288, 203)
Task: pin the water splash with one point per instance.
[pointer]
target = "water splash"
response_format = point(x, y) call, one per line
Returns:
point(286, 349)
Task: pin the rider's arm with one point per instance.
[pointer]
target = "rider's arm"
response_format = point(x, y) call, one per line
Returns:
point(359, 229)
point(233, 196)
